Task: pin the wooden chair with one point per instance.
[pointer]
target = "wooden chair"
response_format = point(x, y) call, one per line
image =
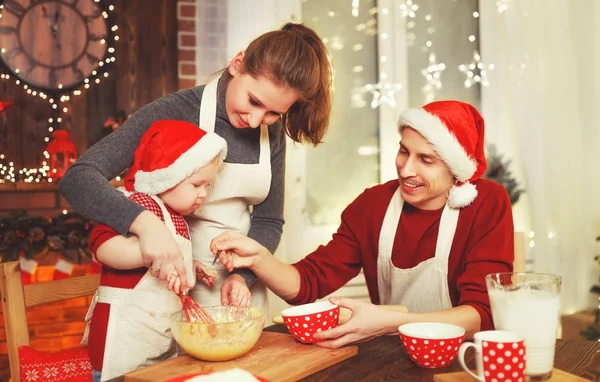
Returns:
point(519, 262)
point(16, 298)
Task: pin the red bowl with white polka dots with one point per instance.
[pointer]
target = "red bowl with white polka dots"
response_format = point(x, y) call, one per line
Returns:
point(431, 344)
point(303, 321)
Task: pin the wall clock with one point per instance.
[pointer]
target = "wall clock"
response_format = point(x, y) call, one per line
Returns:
point(54, 45)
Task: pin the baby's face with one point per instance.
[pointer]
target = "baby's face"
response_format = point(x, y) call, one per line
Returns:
point(188, 195)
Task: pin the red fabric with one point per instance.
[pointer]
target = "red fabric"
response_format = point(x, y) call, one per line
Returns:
point(94, 267)
point(483, 244)
point(59, 275)
point(97, 334)
point(26, 278)
point(71, 365)
point(163, 144)
point(119, 278)
point(467, 125)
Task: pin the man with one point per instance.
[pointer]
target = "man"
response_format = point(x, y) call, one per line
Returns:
point(426, 240)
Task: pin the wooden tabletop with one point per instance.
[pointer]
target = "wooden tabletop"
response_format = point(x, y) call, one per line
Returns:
point(384, 358)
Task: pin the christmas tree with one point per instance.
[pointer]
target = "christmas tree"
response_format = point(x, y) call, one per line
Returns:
point(593, 331)
point(498, 171)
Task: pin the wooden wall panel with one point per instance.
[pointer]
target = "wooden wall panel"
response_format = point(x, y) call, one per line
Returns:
point(10, 135)
point(34, 128)
point(145, 69)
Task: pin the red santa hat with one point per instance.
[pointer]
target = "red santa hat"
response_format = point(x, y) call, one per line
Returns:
point(169, 152)
point(456, 131)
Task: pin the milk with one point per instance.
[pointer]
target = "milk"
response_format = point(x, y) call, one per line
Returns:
point(533, 314)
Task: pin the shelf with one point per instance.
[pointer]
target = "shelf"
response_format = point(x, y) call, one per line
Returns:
point(42, 186)
point(22, 186)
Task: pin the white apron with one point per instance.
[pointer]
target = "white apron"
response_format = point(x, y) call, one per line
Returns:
point(423, 288)
point(138, 332)
point(227, 206)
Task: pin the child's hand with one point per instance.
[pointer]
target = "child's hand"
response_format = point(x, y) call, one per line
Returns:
point(235, 292)
point(205, 273)
point(236, 250)
point(174, 282)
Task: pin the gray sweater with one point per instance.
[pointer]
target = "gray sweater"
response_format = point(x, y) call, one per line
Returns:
point(86, 184)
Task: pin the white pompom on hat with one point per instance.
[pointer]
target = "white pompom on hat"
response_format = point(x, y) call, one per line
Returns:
point(456, 131)
point(168, 153)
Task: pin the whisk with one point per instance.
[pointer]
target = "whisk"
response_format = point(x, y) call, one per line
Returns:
point(194, 312)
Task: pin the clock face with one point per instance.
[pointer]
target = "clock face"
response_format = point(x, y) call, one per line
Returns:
point(53, 44)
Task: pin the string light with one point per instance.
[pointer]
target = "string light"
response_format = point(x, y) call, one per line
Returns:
point(475, 71)
point(7, 172)
point(383, 93)
point(501, 5)
point(408, 9)
point(355, 5)
point(432, 77)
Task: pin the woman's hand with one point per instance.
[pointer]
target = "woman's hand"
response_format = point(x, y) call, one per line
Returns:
point(236, 250)
point(235, 292)
point(159, 250)
point(368, 321)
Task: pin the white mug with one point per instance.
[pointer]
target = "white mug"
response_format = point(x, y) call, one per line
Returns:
point(499, 355)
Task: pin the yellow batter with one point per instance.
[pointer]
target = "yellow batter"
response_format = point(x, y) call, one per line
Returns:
point(223, 340)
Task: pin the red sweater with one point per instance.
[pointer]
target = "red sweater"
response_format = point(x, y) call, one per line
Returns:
point(483, 244)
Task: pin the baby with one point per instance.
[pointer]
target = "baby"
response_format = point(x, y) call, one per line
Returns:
point(174, 166)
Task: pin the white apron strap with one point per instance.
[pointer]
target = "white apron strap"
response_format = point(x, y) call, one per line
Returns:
point(166, 214)
point(448, 223)
point(386, 242)
point(265, 145)
point(208, 106)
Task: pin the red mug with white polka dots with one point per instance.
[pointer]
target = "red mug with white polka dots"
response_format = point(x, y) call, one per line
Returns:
point(499, 355)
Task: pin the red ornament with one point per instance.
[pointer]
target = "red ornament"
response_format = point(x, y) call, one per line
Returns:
point(62, 154)
point(5, 105)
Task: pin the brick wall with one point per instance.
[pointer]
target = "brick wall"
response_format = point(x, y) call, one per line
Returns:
point(186, 43)
point(202, 40)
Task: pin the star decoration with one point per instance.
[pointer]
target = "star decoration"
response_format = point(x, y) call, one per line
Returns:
point(408, 9)
point(432, 76)
point(476, 71)
point(383, 92)
point(501, 5)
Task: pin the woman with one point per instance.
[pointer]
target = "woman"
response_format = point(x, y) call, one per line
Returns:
point(280, 83)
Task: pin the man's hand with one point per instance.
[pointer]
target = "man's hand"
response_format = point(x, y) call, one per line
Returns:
point(368, 321)
point(235, 292)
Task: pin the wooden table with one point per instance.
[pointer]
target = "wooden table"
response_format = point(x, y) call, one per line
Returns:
point(384, 358)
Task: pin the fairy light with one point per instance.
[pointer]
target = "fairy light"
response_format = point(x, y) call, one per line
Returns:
point(409, 9)
point(8, 173)
point(475, 71)
point(355, 5)
point(432, 76)
point(501, 6)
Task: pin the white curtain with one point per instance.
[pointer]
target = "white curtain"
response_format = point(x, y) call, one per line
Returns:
point(542, 109)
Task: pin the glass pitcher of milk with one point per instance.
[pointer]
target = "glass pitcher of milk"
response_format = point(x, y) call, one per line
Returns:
point(528, 304)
